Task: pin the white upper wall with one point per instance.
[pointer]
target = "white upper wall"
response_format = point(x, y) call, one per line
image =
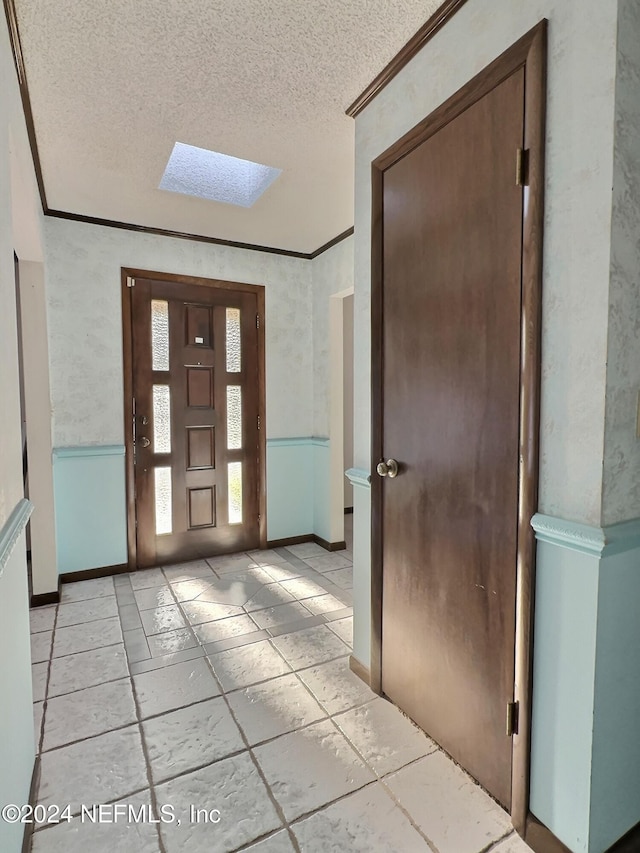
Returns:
point(332, 273)
point(621, 490)
point(579, 163)
point(85, 324)
point(20, 231)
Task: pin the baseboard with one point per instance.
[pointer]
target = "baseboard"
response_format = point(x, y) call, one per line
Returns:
point(360, 670)
point(91, 574)
point(541, 839)
point(348, 510)
point(45, 598)
point(292, 540)
point(310, 537)
point(329, 546)
point(33, 792)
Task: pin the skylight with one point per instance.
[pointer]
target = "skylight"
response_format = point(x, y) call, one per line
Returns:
point(218, 177)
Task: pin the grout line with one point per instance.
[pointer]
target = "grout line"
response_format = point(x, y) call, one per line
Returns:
point(380, 779)
point(245, 740)
point(147, 761)
point(146, 719)
point(119, 728)
point(86, 686)
point(91, 649)
point(140, 667)
point(389, 773)
point(333, 802)
point(143, 742)
point(43, 827)
point(191, 770)
point(249, 844)
point(270, 793)
point(45, 701)
point(493, 844)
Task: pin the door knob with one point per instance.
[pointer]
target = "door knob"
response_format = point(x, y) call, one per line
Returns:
point(388, 468)
point(145, 442)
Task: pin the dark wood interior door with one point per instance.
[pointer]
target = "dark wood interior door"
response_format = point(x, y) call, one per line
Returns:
point(196, 427)
point(451, 301)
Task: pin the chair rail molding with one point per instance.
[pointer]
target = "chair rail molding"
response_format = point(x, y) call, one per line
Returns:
point(596, 541)
point(359, 477)
point(12, 529)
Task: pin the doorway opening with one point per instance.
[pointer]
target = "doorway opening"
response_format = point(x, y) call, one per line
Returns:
point(340, 408)
point(456, 296)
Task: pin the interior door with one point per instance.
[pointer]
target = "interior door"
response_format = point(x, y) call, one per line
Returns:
point(195, 420)
point(451, 303)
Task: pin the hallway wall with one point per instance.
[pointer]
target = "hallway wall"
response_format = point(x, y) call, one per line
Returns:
point(83, 287)
point(576, 303)
point(621, 486)
point(20, 222)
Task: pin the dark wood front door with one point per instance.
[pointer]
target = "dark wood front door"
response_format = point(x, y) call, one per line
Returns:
point(196, 407)
point(451, 316)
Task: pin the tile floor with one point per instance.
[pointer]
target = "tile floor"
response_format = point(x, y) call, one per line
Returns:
point(224, 684)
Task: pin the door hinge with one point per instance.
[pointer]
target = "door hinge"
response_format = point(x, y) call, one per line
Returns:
point(512, 718)
point(522, 167)
point(131, 282)
point(257, 321)
point(259, 423)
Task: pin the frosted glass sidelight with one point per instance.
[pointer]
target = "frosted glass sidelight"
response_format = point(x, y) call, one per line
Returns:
point(163, 500)
point(235, 492)
point(161, 419)
point(234, 359)
point(234, 417)
point(159, 334)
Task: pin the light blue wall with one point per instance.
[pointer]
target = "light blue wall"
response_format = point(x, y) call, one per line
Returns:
point(298, 483)
point(17, 749)
point(289, 487)
point(585, 752)
point(321, 488)
point(90, 499)
point(615, 798)
point(90, 504)
point(360, 481)
point(563, 674)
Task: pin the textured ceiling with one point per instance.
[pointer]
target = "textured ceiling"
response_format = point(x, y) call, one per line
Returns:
point(115, 84)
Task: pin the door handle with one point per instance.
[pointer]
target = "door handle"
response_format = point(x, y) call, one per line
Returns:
point(388, 468)
point(144, 441)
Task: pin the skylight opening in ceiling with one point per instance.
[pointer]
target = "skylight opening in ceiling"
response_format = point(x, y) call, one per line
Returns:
point(217, 177)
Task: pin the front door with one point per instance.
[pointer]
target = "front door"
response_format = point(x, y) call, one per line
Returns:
point(195, 419)
point(451, 312)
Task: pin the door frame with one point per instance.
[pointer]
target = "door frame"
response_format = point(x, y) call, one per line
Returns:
point(529, 53)
point(127, 274)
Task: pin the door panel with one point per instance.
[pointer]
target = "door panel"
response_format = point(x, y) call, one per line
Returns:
point(196, 439)
point(451, 302)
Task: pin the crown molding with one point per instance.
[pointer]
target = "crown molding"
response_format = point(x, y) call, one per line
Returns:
point(18, 58)
point(164, 232)
point(415, 44)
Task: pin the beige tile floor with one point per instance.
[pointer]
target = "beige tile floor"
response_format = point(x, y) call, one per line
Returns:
point(224, 684)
